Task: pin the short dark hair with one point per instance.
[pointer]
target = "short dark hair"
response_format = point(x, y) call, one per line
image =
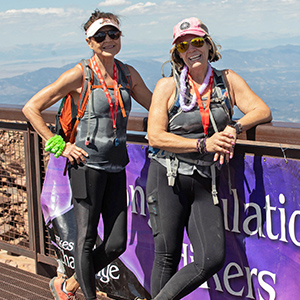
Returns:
point(97, 14)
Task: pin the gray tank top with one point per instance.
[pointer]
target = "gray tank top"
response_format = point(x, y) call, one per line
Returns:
point(189, 125)
point(97, 119)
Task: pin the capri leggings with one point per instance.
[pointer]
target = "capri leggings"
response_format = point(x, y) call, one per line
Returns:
point(106, 194)
point(187, 205)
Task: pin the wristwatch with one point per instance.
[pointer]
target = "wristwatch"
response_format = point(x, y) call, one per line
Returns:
point(237, 126)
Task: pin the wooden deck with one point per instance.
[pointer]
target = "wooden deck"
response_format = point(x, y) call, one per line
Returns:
point(17, 284)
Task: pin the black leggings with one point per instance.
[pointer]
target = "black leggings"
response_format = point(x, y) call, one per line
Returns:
point(105, 194)
point(188, 204)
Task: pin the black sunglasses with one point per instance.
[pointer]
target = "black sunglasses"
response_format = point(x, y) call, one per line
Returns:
point(101, 35)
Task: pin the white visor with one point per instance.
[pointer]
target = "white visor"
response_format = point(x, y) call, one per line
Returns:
point(98, 24)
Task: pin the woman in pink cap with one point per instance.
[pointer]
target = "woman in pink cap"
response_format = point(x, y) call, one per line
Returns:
point(191, 135)
point(99, 155)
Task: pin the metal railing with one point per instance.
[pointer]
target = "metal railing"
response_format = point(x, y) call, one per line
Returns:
point(23, 165)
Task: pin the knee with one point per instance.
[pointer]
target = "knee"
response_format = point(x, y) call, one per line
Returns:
point(167, 260)
point(210, 261)
point(120, 249)
point(115, 249)
point(214, 263)
point(218, 262)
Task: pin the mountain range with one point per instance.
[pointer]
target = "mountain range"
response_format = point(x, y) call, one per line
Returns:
point(273, 74)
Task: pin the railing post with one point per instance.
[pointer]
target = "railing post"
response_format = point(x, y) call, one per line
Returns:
point(31, 189)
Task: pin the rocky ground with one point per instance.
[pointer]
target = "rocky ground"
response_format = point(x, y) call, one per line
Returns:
point(17, 261)
point(13, 195)
point(13, 198)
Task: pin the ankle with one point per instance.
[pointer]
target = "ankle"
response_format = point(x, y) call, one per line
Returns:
point(71, 285)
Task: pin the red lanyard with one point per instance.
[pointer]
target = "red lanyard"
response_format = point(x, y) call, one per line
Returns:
point(203, 111)
point(108, 97)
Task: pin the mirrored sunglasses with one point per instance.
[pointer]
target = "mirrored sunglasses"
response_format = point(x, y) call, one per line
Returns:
point(196, 42)
point(101, 35)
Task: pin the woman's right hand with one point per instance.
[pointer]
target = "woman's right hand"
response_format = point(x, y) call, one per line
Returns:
point(222, 143)
point(74, 153)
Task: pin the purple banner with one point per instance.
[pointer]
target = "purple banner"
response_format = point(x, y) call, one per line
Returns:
point(262, 221)
point(260, 198)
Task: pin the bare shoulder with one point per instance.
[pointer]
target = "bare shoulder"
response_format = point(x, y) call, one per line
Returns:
point(166, 84)
point(74, 73)
point(164, 92)
point(70, 81)
point(130, 68)
point(136, 78)
point(228, 74)
point(133, 72)
point(232, 77)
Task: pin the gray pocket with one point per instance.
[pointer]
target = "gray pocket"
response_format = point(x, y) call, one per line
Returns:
point(78, 183)
point(153, 213)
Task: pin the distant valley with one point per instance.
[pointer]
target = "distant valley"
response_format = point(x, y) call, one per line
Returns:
point(273, 74)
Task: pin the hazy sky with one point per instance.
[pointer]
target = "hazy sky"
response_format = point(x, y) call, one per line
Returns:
point(39, 30)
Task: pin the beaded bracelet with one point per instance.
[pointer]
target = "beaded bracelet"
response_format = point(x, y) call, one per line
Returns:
point(201, 145)
point(55, 145)
point(204, 146)
point(198, 145)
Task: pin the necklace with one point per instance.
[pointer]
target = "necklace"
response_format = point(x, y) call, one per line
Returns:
point(182, 95)
point(113, 110)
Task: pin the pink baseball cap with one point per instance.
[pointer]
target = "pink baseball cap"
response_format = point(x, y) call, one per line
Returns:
point(189, 26)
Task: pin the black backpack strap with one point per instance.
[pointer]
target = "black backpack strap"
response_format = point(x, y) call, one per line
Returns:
point(62, 102)
point(126, 72)
point(220, 82)
point(88, 77)
point(175, 106)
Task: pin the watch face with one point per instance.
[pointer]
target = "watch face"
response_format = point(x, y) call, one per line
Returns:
point(238, 128)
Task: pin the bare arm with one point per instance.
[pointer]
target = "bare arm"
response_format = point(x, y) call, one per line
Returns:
point(140, 92)
point(68, 82)
point(253, 107)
